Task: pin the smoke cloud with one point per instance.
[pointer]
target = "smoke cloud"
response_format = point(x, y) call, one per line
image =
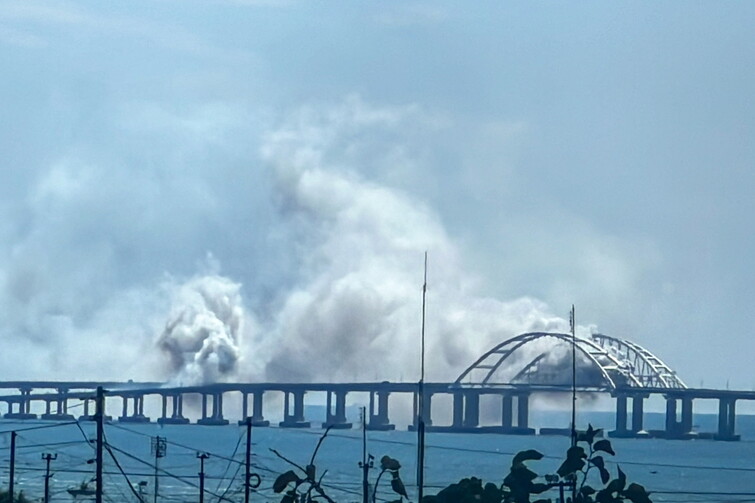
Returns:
point(201, 337)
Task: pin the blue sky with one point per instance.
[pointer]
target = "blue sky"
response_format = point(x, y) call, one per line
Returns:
point(544, 154)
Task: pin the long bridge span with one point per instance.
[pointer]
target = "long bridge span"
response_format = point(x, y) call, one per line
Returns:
point(509, 373)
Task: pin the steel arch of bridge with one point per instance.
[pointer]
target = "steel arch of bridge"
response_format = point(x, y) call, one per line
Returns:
point(621, 363)
point(649, 369)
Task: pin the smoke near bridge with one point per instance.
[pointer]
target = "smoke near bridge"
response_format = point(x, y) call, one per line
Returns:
point(353, 311)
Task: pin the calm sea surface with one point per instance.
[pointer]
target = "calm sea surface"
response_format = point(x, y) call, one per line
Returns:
point(675, 470)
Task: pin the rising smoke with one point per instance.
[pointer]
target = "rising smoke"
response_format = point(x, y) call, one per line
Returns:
point(354, 310)
point(201, 337)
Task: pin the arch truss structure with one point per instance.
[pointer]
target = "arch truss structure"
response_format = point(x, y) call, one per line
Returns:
point(542, 358)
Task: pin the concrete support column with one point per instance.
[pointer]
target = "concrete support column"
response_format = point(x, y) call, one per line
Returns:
point(336, 419)
point(165, 406)
point(471, 410)
point(379, 419)
point(428, 412)
point(507, 411)
point(523, 411)
point(257, 413)
point(138, 410)
point(686, 425)
point(458, 414)
point(637, 413)
point(295, 420)
point(621, 413)
point(671, 423)
point(727, 419)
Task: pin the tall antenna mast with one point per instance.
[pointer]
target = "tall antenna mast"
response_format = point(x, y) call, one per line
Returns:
point(572, 323)
point(421, 401)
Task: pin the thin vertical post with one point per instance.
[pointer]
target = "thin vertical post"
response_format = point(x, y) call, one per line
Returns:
point(365, 463)
point(572, 323)
point(421, 401)
point(12, 480)
point(248, 461)
point(99, 414)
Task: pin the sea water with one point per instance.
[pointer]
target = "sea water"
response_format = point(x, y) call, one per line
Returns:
point(674, 470)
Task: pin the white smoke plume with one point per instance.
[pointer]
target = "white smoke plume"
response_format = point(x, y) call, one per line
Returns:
point(355, 310)
point(202, 336)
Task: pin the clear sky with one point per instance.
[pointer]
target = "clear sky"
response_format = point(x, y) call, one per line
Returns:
point(280, 167)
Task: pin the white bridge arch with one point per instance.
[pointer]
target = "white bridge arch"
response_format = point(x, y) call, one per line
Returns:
point(604, 363)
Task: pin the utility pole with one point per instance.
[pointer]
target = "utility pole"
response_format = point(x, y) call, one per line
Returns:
point(48, 457)
point(13, 435)
point(248, 463)
point(202, 456)
point(159, 449)
point(99, 416)
point(366, 462)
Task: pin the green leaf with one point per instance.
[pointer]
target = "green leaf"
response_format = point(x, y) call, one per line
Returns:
point(604, 496)
point(605, 446)
point(390, 464)
point(622, 479)
point(574, 461)
point(398, 487)
point(284, 479)
point(600, 465)
point(617, 484)
point(636, 494)
point(530, 454)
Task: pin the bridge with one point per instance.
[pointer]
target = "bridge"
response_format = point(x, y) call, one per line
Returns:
point(509, 373)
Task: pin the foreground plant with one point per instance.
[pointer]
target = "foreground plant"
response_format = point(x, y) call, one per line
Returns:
point(571, 479)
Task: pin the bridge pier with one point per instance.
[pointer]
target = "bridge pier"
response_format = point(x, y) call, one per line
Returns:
point(138, 410)
point(86, 416)
point(257, 417)
point(24, 406)
point(336, 420)
point(726, 419)
point(61, 408)
point(379, 420)
point(176, 416)
point(295, 420)
point(522, 426)
point(622, 430)
point(678, 428)
point(216, 418)
point(427, 415)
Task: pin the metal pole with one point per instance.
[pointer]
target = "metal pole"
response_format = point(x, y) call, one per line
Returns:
point(11, 482)
point(421, 402)
point(99, 414)
point(365, 465)
point(48, 458)
point(248, 458)
point(572, 322)
point(202, 456)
